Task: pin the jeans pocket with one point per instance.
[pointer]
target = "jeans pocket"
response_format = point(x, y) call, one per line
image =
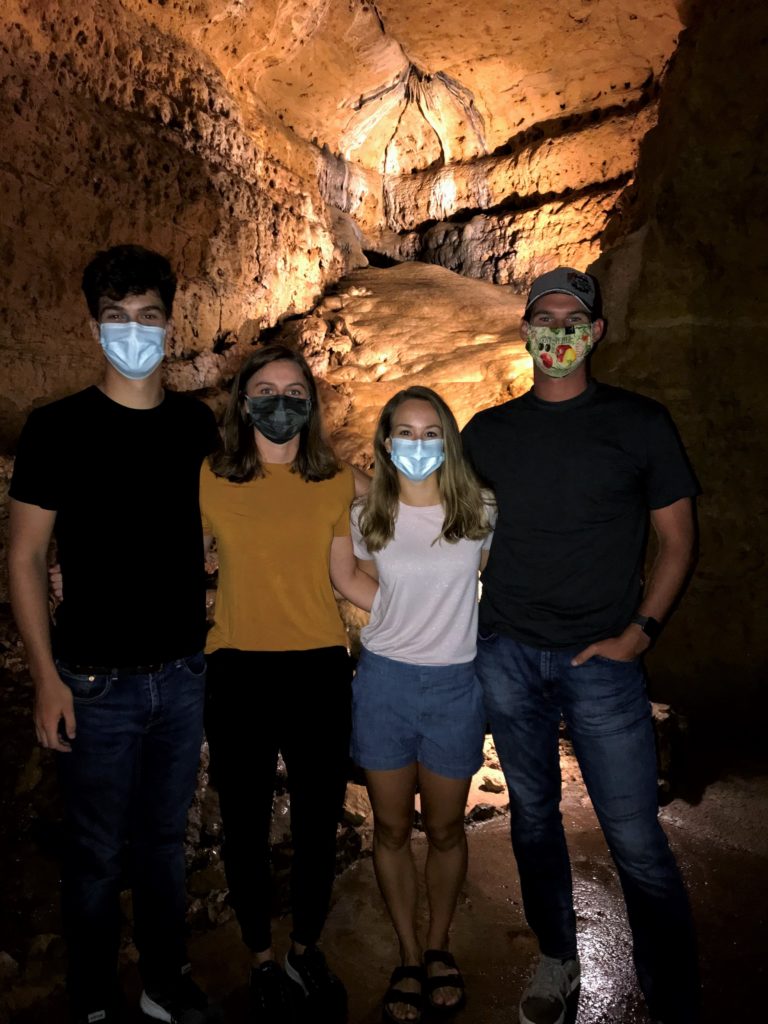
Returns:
point(487, 638)
point(614, 661)
point(86, 689)
point(195, 664)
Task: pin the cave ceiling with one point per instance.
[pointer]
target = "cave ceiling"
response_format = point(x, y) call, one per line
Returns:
point(398, 86)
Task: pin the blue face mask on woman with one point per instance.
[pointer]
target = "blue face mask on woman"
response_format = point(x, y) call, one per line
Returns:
point(417, 459)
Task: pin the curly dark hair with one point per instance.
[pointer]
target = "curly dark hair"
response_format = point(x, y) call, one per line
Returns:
point(128, 270)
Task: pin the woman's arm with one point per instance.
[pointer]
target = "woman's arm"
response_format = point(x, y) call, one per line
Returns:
point(368, 566)
point(362, 480)
point(348, 578)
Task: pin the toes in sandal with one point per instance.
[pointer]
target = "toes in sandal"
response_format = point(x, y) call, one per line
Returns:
point(397, 995)
point(436, 981)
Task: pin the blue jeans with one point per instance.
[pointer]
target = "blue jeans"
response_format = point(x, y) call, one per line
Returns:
point(606, 709)
point(404, 713)
point(127, 786)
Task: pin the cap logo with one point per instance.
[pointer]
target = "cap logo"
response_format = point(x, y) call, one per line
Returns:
point(580, 283)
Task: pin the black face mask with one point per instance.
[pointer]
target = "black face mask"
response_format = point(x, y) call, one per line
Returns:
point(278, 417)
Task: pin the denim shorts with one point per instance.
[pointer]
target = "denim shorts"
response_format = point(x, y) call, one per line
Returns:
point(430, 714)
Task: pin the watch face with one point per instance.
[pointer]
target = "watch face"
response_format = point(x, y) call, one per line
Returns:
point(650, 626)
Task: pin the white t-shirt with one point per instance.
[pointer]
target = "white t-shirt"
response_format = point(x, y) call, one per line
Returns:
point(425, 611)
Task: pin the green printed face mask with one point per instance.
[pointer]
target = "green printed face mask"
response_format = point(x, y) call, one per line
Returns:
point(558, 351)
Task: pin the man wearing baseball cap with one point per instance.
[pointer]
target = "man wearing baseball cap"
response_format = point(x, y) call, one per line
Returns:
point(580, 469)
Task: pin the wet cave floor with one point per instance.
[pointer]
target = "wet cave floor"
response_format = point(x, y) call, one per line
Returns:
point(720, 839)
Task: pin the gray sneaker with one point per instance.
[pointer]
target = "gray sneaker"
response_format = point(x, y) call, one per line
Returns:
point(544, 999)
point(179, 1002)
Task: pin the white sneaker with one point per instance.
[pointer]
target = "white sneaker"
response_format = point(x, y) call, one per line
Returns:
point(544, 999)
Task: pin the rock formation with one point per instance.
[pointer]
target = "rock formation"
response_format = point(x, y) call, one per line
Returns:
point(274, 149)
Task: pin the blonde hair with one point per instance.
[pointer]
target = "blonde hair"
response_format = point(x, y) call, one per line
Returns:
point(464, 503)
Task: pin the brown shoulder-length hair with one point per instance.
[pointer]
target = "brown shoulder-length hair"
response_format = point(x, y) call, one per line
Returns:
point(237, 458)
point(465, 505)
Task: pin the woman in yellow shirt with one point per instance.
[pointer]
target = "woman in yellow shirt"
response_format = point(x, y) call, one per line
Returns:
point(277, 502)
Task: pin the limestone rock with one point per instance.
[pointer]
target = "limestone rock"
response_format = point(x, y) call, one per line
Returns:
point(357, 806)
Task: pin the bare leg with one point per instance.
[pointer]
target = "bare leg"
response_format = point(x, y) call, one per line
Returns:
point(443, 802)
point(392, 798)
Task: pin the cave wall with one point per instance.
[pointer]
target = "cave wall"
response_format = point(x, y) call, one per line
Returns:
point(113, 131)
point(685, 271)
point(264, 146)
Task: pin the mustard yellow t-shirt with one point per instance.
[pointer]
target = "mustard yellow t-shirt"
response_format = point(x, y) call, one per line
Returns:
point(273, 537)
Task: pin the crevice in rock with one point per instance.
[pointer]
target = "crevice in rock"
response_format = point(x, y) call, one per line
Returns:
point(515, 203)
point(466, 100)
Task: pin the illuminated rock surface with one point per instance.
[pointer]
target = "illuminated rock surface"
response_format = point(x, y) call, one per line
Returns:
point(235, 135)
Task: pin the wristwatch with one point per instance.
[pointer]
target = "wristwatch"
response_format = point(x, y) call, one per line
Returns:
point(651, 627)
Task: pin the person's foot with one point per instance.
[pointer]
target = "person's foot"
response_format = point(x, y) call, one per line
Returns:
point(404, 999)
point(444, 982)
point(545, 998)
point(273, 997)
point(321, 986)
point(179, 1002)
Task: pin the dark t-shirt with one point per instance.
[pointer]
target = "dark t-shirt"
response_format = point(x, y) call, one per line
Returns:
point(574, 482)
point(124, 485)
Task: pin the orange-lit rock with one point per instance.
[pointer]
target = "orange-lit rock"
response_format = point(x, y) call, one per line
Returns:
point(383, 330)
point(232, 135)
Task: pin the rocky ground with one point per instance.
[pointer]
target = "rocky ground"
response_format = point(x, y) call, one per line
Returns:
point(715, 808)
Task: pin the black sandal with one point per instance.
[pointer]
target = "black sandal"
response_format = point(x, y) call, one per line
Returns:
point(397, 995)
point(431, 984)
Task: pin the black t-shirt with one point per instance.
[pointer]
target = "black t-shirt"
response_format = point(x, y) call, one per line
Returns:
point(574, 482)
point(124, 485)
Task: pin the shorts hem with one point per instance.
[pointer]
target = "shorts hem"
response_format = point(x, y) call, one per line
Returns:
point(380, 765)
point(451, 772)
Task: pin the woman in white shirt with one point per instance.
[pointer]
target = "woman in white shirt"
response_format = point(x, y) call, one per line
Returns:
point(424, 531)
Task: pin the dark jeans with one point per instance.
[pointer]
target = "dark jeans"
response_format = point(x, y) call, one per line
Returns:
point(127, 786)
point(606, 709)
point(297, 702)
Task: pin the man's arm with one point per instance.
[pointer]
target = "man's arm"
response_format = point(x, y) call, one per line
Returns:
point(29, 536)
point(675, 534)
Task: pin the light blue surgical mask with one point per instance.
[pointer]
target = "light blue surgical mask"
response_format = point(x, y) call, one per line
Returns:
point(135, 350)
point(417, 459)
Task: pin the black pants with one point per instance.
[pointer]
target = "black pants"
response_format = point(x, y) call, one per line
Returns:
point(298, 703)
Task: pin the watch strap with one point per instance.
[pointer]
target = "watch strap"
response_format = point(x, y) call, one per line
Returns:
point(650, 626)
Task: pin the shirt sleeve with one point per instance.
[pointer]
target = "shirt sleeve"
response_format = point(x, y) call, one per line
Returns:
point(467, 438)
point(38, 469)
point(669, 475)
point(358, 544)
point(210, 438)
point(492, 512)
point(341, 526)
